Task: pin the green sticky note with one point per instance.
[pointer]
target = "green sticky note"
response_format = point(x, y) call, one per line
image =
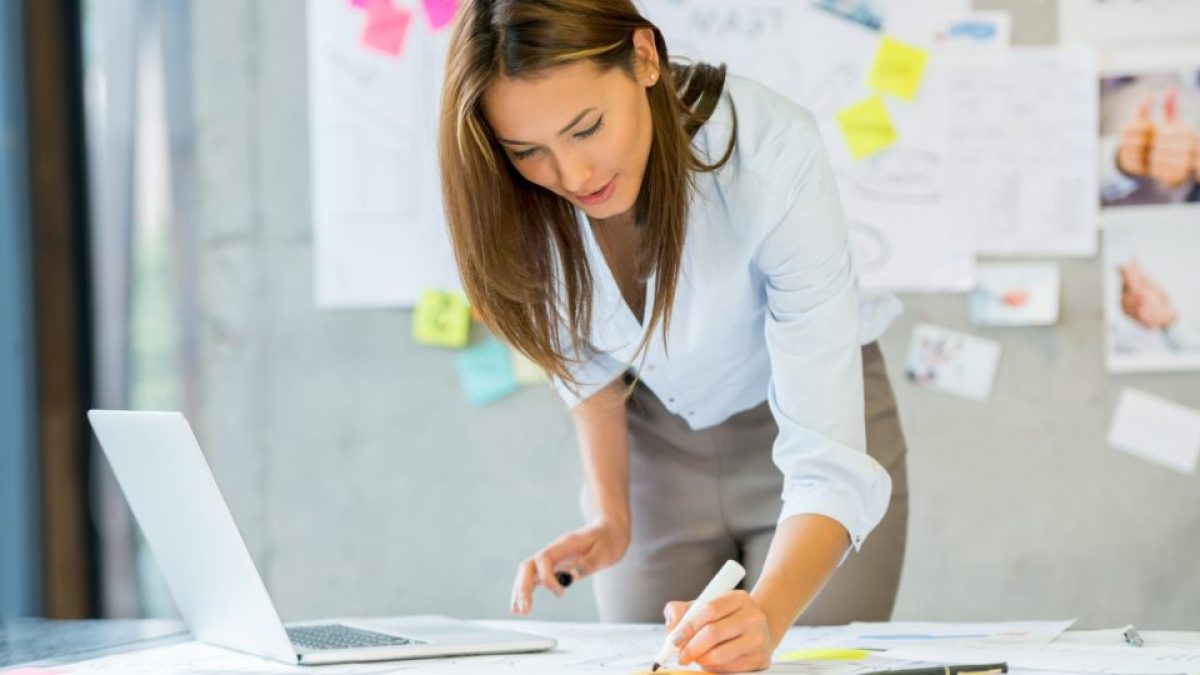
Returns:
point(442, 319)
point(485, 372)
point(867, 127)
point(898, 68)
point(825, 654)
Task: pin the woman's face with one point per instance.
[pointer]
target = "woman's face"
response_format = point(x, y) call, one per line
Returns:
point(578, 131)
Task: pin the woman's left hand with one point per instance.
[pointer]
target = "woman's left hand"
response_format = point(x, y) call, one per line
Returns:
point(730, 635)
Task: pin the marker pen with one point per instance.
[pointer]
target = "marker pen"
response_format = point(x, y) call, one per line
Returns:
point(727, 579)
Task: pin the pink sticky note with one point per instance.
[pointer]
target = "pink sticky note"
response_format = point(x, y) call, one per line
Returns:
point(440, 12)
point(360, 4)
point(387, 27)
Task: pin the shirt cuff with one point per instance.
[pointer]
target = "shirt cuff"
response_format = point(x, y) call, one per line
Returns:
point(859, 511)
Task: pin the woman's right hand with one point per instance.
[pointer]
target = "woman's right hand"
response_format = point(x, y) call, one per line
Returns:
point(582, 552)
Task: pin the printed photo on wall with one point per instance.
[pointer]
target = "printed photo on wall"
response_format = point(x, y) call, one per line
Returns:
point(1152, 289)
point(1015, 294)
point(951, 362)
point(1149, 135)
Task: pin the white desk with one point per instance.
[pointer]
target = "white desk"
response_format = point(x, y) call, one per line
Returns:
point(584, 649)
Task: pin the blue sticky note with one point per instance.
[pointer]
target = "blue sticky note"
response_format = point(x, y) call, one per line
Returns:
point(486, 373)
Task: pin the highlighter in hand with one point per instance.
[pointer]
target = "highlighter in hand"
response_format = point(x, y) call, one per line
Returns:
point(727, 579)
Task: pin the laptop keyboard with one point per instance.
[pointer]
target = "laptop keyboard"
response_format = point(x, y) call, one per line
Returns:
point(337, 636)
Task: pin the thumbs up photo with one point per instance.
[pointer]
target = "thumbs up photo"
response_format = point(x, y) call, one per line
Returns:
point(1151, 123)
point(1173, 146)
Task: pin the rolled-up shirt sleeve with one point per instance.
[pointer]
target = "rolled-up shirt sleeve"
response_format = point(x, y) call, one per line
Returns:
point(592, 372)
point(816, 385)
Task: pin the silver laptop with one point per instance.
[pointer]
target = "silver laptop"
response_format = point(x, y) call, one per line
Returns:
point(216, 587)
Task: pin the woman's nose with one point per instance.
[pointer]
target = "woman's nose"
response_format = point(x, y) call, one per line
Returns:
point(574, 172)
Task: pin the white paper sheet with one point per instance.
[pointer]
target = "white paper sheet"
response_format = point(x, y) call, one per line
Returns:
point(894, 635)
point(1157, 430)
point(1023, 151)
point(894, 201)
point(1113, 660)
point(1122, 27)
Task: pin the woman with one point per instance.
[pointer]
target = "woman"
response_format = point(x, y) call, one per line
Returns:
point(668, 244)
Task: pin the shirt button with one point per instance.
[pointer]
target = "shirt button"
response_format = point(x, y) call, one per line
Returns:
point(649, 368)
point(670, 400)
point(691, 413)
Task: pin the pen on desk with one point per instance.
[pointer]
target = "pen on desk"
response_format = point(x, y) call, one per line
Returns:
point(1133, 638)
point(974, 669)
point(726, 580)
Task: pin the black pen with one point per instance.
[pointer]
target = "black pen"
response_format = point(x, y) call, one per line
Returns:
point(948, 670)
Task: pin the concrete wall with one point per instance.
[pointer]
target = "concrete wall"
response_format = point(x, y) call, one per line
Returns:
point(364, 483)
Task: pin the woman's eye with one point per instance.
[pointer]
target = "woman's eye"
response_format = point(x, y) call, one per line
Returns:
point(588, 133)
point(524, 154)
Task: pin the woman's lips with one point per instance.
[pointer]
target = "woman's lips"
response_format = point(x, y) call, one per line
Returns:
point(601, 195)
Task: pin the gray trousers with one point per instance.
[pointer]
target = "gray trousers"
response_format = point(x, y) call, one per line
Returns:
point(699, 498)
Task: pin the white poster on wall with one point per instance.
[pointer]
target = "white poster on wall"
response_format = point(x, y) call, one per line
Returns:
point(1023, 152)
point(895, 202)
point(375, 72)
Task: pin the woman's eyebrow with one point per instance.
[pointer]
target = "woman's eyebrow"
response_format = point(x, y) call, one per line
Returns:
point(565, 129)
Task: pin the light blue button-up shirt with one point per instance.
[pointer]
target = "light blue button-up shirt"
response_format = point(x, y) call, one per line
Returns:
point(766, 307)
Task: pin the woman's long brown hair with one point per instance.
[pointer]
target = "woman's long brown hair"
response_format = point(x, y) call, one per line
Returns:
point(518, 246)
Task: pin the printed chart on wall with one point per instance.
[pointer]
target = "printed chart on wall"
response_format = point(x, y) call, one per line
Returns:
point(892, 184)
point(375, 71)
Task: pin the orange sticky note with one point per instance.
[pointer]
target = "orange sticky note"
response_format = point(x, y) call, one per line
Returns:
point(867, 127)
point(898, 68)
point(387, 27)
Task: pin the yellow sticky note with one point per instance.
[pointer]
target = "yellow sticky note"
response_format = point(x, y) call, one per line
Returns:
point(825, 654)
point(526, 371)
point(442, 319)
point(867, 127)
point(898, 68)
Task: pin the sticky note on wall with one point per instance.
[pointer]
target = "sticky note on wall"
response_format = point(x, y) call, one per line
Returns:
point(387, 27)
point(485, 372)
point(440, 12)
point(898, 68)
point(442, 319)
point(867, 127)
point(526, 371)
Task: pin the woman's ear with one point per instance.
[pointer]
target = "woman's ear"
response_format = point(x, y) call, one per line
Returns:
point(646, 63)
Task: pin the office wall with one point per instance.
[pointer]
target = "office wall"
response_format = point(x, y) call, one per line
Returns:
point(365, 484)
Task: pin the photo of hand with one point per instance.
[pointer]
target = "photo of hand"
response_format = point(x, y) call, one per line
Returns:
point(1144, 300)
point(1152, 300)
